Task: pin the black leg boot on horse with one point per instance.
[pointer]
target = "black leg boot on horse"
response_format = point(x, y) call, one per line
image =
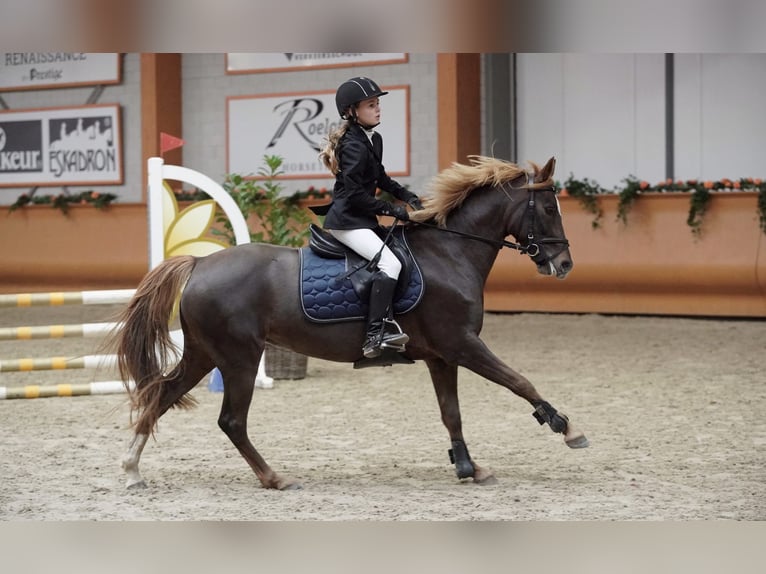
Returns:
point(383, 332)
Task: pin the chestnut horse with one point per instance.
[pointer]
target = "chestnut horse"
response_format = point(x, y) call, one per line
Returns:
point(232, 302)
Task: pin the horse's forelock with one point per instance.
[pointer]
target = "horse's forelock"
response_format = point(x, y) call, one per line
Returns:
point(450, 187)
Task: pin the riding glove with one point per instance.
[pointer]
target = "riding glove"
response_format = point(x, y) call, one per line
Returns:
point(414, 203)
point(400, 212)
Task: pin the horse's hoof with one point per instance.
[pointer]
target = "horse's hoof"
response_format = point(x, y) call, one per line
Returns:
point(578, 442)
point(140, 485)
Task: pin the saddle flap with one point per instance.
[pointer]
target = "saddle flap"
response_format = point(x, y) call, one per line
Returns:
point(324, 244)
point(330, 293)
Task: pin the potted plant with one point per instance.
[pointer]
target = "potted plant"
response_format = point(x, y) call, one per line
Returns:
point(275, 219)
point(272, 216)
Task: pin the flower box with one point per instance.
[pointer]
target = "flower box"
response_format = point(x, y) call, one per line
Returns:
point(652, 264)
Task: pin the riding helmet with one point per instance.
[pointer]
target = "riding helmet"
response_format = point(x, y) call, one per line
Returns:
point(353, 91)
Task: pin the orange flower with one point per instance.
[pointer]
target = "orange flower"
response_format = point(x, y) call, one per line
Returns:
point(757, 181)
point(736, 185)
point(94, 194)
point(692, 182)
point(708, 185)
point(643, 184)
point(323, 189)
point(563, 192)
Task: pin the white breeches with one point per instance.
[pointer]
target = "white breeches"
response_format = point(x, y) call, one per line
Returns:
point(367, 244)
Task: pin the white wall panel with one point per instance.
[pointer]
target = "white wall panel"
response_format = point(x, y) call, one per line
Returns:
point(720, 116)
point(540, 108)
point(602, 115)
point(687, 116)
point(650, 117)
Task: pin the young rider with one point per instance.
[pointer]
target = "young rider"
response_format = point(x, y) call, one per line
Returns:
point(353, 154)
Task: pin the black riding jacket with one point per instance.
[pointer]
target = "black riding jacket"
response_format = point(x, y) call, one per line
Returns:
point(354, 205)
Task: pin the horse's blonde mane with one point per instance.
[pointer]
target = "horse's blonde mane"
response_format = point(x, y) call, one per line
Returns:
point(450, 187)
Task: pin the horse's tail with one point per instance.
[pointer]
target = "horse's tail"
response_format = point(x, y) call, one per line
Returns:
point(143, 344)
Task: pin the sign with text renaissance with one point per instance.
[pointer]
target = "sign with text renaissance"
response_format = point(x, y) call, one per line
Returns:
point(250, 63)
point(36, 70)
point(295, 126)
point(61, 146)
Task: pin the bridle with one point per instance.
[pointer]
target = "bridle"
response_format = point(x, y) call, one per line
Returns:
point(532, 245)
point(530, 215)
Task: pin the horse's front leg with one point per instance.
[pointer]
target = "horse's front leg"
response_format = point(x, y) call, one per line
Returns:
point(478, 358)
point(444, 378)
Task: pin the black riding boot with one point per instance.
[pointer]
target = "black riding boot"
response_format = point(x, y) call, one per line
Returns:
point(378, 337)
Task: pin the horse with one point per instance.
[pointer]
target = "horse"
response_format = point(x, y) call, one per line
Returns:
point(231, 303)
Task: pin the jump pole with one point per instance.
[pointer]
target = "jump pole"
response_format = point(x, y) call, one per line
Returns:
point(58, 363)
point(56, 331)
point(64, 390)
point(107, 297)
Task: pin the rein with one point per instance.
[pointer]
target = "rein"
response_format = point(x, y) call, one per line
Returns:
point(532, 248)
point(494, 242)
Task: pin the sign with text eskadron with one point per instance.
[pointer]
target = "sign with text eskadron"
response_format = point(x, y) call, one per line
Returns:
point(35, 70)
point(295, 126)
point(61, 146)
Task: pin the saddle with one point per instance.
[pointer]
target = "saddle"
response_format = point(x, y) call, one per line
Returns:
point(335, 280)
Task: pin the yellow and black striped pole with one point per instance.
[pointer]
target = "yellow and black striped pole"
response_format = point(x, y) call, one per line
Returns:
point(58, 363)
point(64, 390)
point(56, 331)
point(106, 297)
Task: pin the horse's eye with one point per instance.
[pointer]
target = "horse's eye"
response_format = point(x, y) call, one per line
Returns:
point(550, 209)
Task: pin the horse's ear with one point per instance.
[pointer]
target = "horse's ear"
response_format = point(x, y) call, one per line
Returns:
point(547, 172)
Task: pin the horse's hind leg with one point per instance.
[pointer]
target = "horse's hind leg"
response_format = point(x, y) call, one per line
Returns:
point(444, 378)
point(131, 459)
point(238, 387)
point(173, 389)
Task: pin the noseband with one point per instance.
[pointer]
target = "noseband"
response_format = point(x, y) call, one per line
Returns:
point(532, 245)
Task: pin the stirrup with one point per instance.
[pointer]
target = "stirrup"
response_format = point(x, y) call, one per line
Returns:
point(373, 352)
point(395, 338)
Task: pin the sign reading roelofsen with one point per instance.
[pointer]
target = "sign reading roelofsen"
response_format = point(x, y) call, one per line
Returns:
point(294, 126)
point(61, 146)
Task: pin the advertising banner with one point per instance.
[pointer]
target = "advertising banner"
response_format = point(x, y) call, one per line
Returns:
point(37, 70)
point(295, 126)
point(250, 63)
point(61, 146)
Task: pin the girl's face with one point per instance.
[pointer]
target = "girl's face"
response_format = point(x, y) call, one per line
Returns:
point(368, 112)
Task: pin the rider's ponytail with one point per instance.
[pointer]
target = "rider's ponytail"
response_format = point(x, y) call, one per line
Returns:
point(327, 155)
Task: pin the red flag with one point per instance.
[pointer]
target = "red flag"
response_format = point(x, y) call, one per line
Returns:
point(168, 142)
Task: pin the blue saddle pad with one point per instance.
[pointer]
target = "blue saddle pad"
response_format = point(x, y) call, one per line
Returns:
point(327, 299)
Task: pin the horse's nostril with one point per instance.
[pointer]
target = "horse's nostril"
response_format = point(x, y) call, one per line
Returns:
point(566, 265)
